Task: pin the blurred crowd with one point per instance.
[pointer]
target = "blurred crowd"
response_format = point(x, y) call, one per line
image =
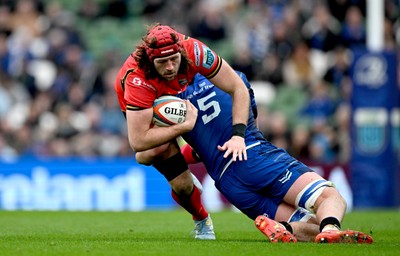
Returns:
point(57, 98)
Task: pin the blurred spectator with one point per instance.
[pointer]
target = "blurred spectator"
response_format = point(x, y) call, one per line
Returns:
point(65, 114)
point(76, 96)
point(60, 147)
point(89, 9)
point(340, 67)
point(278, 130)
point(256, 33)
point(389, 39)
point(342, 118)
point(24, 139)
point(321, 104)
point(353, 33)
point(7, 153)
point(5, 97)
point(298, 145)
point(13, 95)
point(281, 45)
point(85, 144)
point(321, 30)
point(293, 22)
point(263, 119)
point(5, 55)
point(5, 19)
point(210, 25)
point(338, 74)
point(112, 121)
point(323, 145)
point(338, 8)
point(116, 9)
point(152, 6)
point(243, 62)
point(26, 16)
point(270, 70)
point(298, 70)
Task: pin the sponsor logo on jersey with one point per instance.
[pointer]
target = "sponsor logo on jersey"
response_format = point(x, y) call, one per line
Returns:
point(197, 53)
point(137, 81)
point(182, 81)
point(286, 176)
point(208, 57)
point(202, 84)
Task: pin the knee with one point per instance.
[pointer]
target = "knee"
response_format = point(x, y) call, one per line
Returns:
point(336, 196)
point(332, 194)
point(148, 157)
point(142, 158)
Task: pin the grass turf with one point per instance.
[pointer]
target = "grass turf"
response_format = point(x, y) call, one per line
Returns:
point(167, 233)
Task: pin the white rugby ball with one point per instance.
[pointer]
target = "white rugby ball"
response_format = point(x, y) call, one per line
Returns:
point(169, 110)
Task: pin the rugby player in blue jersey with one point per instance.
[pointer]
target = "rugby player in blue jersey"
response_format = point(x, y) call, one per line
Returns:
point(286, 199)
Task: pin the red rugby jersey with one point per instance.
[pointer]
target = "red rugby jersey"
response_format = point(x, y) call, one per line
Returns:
point(136, 92)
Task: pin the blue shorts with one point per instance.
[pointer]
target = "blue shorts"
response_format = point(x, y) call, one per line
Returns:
point(257, 186)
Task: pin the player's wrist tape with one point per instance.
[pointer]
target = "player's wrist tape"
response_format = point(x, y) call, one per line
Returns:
point(239, 130)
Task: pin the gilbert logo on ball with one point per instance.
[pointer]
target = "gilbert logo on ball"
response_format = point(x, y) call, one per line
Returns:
point(169, 110)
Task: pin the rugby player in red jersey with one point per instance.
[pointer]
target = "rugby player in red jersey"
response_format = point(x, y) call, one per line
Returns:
point(165, 63)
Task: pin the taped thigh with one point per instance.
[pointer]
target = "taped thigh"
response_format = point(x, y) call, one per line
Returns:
point(307, 197)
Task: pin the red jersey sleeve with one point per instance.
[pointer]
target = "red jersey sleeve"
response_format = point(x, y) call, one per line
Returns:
point(132, 93)
point(205, 61)
point(139, 92)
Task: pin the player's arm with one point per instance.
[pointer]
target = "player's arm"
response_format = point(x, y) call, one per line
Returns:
point(222, 75)
point(143, 135)
point(253, 103)
point(229, 81)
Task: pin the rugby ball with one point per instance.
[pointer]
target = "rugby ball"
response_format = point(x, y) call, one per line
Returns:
point(169, 110)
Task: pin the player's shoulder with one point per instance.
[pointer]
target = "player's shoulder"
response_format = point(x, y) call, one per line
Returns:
point(129, 64)
point(195, 49)
point(190, 44)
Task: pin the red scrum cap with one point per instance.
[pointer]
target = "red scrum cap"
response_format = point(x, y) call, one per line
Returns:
point(161, 41)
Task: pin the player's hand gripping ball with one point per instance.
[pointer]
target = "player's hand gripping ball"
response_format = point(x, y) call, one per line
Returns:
point(169, 110)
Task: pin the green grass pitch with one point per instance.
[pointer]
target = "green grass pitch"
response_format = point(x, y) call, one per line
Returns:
point(167, 233)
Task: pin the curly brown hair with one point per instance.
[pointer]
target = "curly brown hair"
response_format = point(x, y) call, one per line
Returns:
point(143, 59)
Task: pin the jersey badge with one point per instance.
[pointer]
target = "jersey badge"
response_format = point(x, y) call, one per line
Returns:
point(197, 53)
point(208, 57)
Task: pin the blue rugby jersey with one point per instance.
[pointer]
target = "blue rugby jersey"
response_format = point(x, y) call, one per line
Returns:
point(214, 122)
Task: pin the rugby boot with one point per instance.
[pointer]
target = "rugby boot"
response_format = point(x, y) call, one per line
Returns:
point(275, 231)
point(204, 229)
point(343, 236)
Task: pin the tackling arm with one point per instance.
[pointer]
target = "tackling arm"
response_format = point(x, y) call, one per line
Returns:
point(229, 81)
point(143, 135)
